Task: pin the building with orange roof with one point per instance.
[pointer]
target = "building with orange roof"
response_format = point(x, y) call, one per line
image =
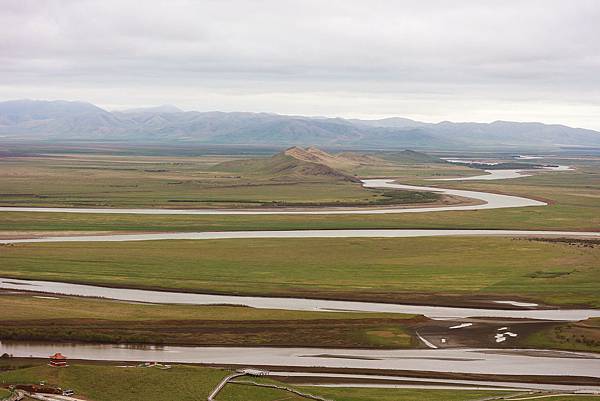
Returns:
point(58, 360)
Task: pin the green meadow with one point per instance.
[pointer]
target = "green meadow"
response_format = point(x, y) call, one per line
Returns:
point(107, 382)
point(25, 317)
point(573, 197)
point(110, 383)
point(160, 182)
point(4, 394)
point(28, 307)
point(572, 336)
point(242, 392)
point(384, 269)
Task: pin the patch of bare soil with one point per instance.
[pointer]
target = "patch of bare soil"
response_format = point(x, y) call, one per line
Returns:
point(575, 242)
point(482, 333)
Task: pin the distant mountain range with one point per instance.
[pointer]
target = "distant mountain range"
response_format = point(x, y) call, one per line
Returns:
point(66, 121)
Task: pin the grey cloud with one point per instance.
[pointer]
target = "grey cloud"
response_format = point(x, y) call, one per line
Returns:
point(381, 52)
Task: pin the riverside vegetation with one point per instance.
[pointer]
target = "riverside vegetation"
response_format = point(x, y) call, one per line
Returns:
point(423, 270)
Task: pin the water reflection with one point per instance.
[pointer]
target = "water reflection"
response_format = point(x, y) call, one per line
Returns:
point(301, 304)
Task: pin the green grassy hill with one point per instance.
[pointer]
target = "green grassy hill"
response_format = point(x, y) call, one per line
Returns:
point(294, 163)
point(311, 163)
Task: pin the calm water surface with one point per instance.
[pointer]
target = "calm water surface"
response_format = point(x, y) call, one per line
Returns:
point(380, 233)
point(488, 201)
point(301, 304)
point(509, 362)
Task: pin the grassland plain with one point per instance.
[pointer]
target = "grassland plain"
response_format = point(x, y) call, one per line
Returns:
point(25, 317)
point(112, 181)
point(108, 382)
point(4, 394)
point(386, 269)
point(240, 392)
point(244, 392)
point(574, 198)
point(575, 336)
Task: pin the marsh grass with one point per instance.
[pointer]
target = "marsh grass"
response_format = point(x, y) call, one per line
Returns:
point(344, 268)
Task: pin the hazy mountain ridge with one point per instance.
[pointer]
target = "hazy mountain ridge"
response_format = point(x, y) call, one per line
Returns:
point(164, 108)
point(68, 121)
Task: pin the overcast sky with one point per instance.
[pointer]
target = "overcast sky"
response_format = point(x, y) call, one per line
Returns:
point(460, 60)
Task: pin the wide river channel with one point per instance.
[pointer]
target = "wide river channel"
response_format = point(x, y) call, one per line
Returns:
point(379, 233)
point(485, 361)
point(487, 201)
point(301, 304)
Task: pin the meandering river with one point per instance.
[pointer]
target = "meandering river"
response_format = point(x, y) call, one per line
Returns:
point(491, 175)
point(379, 233)
point(488, 201)
point(485, 361)
point(300, 304)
